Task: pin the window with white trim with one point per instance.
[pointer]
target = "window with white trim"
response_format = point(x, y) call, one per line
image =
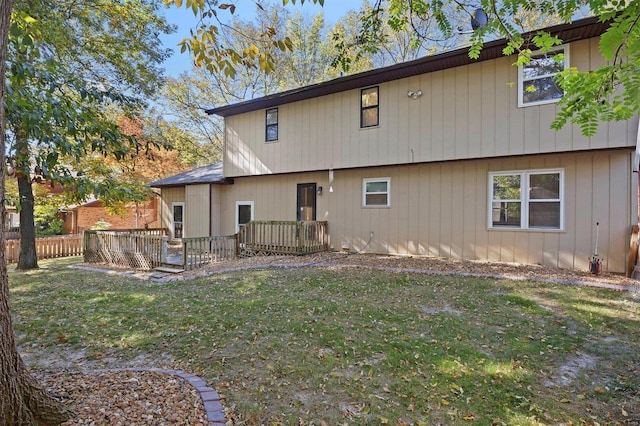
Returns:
point(376, 192)
point(528, 199)
point(244, 213)
point(537, 83)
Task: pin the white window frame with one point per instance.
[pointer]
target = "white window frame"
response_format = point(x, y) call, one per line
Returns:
point(387, 180)
point(521, 103)
point(173, 222)
point(524, 199)
point(243, 203)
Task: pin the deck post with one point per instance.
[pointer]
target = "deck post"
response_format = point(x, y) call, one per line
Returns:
point(165, 245)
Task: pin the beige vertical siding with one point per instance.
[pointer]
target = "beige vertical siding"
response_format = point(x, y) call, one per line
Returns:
point(274, 198)
point(465, 112)
point(441, 209)
point(197, 211)
point(167, 198)
point(216, 210)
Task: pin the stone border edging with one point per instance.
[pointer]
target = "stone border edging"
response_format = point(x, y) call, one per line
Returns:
point(209, 396)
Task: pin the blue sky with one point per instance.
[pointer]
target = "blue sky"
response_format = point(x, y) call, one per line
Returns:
point(185, 20)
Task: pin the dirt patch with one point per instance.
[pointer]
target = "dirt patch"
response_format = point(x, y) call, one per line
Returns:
point(568, 372)
point(433, 310)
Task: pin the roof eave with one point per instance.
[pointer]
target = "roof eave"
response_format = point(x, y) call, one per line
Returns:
point(578, 30)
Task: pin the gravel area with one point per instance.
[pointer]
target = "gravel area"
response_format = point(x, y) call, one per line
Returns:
point(428, 265)
point(148, 398)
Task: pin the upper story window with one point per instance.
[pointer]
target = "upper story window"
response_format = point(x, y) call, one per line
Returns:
point(536, 80)
point(271, 130)
point(529, 199)
point(375, 192)
point(369, 113)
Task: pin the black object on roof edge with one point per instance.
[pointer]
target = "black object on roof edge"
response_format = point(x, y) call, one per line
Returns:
point(577, 30)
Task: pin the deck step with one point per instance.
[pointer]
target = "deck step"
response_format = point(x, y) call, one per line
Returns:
point(168, 270)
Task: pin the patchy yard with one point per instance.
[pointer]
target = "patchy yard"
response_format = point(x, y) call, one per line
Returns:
point(341, 345)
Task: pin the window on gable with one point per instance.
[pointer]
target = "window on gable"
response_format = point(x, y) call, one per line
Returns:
point(537, 80)
point(531, 199)
point(369, 113)
point(271, 125)
point(375, 192)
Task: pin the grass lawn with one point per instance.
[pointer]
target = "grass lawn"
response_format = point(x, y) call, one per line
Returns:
point(350, 346)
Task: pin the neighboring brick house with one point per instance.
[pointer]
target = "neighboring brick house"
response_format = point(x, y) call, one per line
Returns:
point(85, 216)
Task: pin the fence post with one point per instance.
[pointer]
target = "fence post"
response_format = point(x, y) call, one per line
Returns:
point(184, 254)
point(165, 243)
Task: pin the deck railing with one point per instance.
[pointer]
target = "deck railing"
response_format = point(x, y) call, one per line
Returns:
point(48, 247)
point(161, 232)
point(125, 249)
point(137, 249)
point(200, 251)
point(282, 237)
point(255, 238)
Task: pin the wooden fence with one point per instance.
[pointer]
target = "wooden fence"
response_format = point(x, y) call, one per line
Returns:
point(48, 247)
point(137, 250)
point(200, 251)
point(282, 237)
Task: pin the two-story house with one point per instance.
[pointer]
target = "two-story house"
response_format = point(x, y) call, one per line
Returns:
point(441, 156)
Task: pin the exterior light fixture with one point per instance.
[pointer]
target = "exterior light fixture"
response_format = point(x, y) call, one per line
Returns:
point(414, 94)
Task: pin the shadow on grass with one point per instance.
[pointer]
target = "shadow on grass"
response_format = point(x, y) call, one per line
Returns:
point(365, 347)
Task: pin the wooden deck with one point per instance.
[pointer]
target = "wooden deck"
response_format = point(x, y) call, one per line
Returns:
point(282, 237)
point(148, 249)
point(256, 238)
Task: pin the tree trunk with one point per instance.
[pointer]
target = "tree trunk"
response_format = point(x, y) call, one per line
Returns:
point(22, 401)
point(28, 258)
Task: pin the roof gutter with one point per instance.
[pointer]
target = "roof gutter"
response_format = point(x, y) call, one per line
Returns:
point(578, 30)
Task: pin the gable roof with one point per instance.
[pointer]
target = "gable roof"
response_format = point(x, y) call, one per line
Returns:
point(577, 30)
point(205, 174)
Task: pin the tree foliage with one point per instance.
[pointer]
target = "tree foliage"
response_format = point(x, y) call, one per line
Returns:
point(186, 97)
point(74, 65)
point(69, 68)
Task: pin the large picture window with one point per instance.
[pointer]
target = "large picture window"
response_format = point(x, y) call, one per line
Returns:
point(530, 199)
point(537, 80)
point(376, 192)
point(271, 130)
point(369, 103)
